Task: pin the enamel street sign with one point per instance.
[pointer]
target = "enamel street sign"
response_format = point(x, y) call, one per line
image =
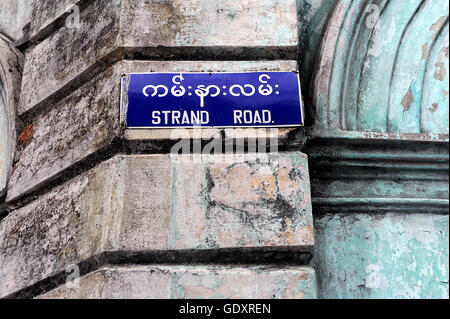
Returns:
point(221, 100)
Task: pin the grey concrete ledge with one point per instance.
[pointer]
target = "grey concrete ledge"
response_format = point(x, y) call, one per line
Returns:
point(192, 282)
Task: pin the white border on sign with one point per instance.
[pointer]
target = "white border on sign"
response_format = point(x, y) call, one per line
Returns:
point(123, 116)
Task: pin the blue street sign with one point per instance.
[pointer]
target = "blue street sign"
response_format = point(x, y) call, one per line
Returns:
point(175, 100)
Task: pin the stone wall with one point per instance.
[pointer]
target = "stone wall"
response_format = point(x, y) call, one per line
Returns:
point(112, 203)
point(355, 205)
point(15, 16)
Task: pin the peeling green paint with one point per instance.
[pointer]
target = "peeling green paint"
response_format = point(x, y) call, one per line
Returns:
point(382, 255)
point(313, 16)
point(383, 67)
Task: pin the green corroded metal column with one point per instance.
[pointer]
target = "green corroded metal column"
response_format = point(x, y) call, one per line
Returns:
point(379, 151)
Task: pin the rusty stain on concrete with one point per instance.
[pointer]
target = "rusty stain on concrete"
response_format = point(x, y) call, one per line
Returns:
point(408, 100)
point(434, 108)
point(440, 73)
point(26, 135)
point(425, 50)
point(13, 169)
point(437, 26)
point(440, 65)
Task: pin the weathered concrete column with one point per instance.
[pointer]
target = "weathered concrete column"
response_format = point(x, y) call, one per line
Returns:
point(379, 151)
point(88, 194)
point(11, 63)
